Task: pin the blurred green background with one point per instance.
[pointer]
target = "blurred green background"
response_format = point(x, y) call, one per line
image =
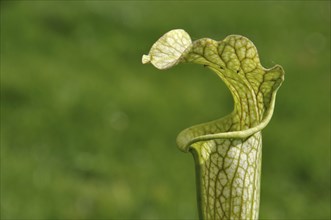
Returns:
point(88, 132)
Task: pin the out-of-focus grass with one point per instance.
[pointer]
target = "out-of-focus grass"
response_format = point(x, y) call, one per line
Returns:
point(88, 132)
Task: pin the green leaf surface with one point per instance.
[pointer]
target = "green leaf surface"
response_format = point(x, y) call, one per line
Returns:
point(227, 151)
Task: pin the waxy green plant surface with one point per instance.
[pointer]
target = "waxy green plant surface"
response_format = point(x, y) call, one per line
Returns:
point(227, 151)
